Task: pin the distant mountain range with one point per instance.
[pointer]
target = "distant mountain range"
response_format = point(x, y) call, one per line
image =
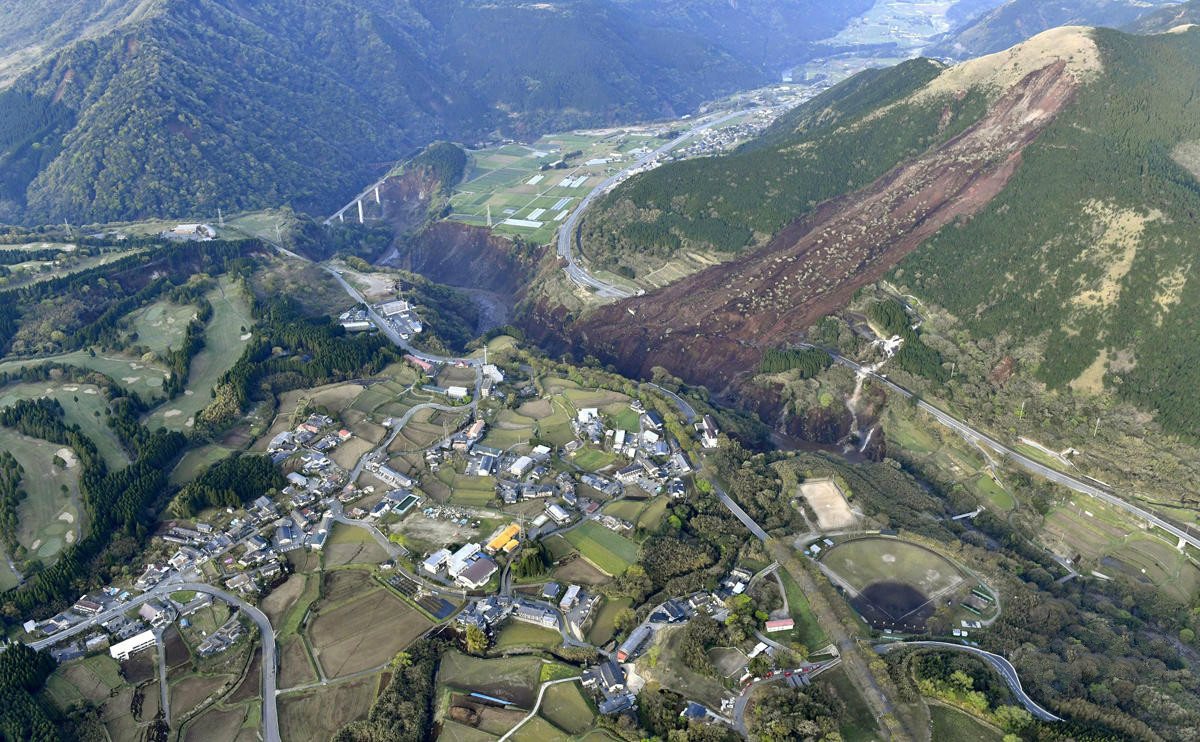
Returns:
point(1046, 197)
point(1016, 20)
point(126, 109)
point(1166, 19)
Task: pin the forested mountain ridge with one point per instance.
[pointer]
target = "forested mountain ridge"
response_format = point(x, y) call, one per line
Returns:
point(32, 31)
point(1073, 242)
point(190, 105)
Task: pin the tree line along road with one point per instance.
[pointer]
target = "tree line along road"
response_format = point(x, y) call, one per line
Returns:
point(1054, 475)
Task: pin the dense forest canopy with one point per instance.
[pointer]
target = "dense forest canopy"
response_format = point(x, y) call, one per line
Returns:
point(185, 106)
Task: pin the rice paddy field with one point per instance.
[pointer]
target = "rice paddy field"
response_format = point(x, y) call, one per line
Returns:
point(514, 679)
point(609, 551)
point(316, 715)
point(524, 199)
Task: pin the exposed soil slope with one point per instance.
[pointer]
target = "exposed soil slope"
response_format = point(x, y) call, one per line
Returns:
point(710, 327)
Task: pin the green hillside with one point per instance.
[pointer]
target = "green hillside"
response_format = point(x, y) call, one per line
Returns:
point(816, 152)
point(189, 105)
point(1082, 265)
point(1088, 255)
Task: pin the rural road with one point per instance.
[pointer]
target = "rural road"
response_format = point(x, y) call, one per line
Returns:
point(808, 669)
point(1054, 475)
point(680, 403)
point(164, 690)
point(533, 713)
point(566, 233)
point(270, 713)
point(1001, 665)
point(736, 509)
point(392, 335)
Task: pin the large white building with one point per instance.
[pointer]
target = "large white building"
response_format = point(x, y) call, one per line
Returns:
point(461, 559)
point(521, 466)
point(122, 650)
point(436, 561)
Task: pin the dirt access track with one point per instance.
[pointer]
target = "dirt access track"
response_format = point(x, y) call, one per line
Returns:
point(712, 326)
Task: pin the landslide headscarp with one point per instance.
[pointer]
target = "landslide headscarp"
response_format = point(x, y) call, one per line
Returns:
point(711, 326)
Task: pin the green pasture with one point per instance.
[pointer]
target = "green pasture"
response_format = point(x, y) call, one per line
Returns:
point(609, 551)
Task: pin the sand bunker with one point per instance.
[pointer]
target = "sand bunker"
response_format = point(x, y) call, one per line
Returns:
point(68, 456)
point(171, 413)
point(67, 516)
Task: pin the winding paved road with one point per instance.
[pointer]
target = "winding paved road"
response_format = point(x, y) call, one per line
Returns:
point(270, 716)
point(808, 669)
point(1054, 475)
point(566, 233)
point(680, 403)
point(270, 712)
point(1001, 665)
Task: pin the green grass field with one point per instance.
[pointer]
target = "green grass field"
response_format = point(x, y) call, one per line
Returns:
point(224, 341)
point(593, 459)
point(995, 494)
point(83, 405)
point(950, 723)
point(644, 514)
point(565, 706)
point(160, 325)
point(538, 729)
point(607, 550)
point(857, 724)
point(146, 379)
point(601, 631)
point(624, 509)
point(520, 634)
point(625, 419)
point(866, 560)
point(195, 461)
point(808, 631)
point(47, 520)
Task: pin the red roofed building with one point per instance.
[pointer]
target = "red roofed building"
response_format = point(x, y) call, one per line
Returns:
point(781, 624)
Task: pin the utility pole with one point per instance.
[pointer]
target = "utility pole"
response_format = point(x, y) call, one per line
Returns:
point(1096, 429)
point(953, 368)
point(220, 218)
point(489, 208)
